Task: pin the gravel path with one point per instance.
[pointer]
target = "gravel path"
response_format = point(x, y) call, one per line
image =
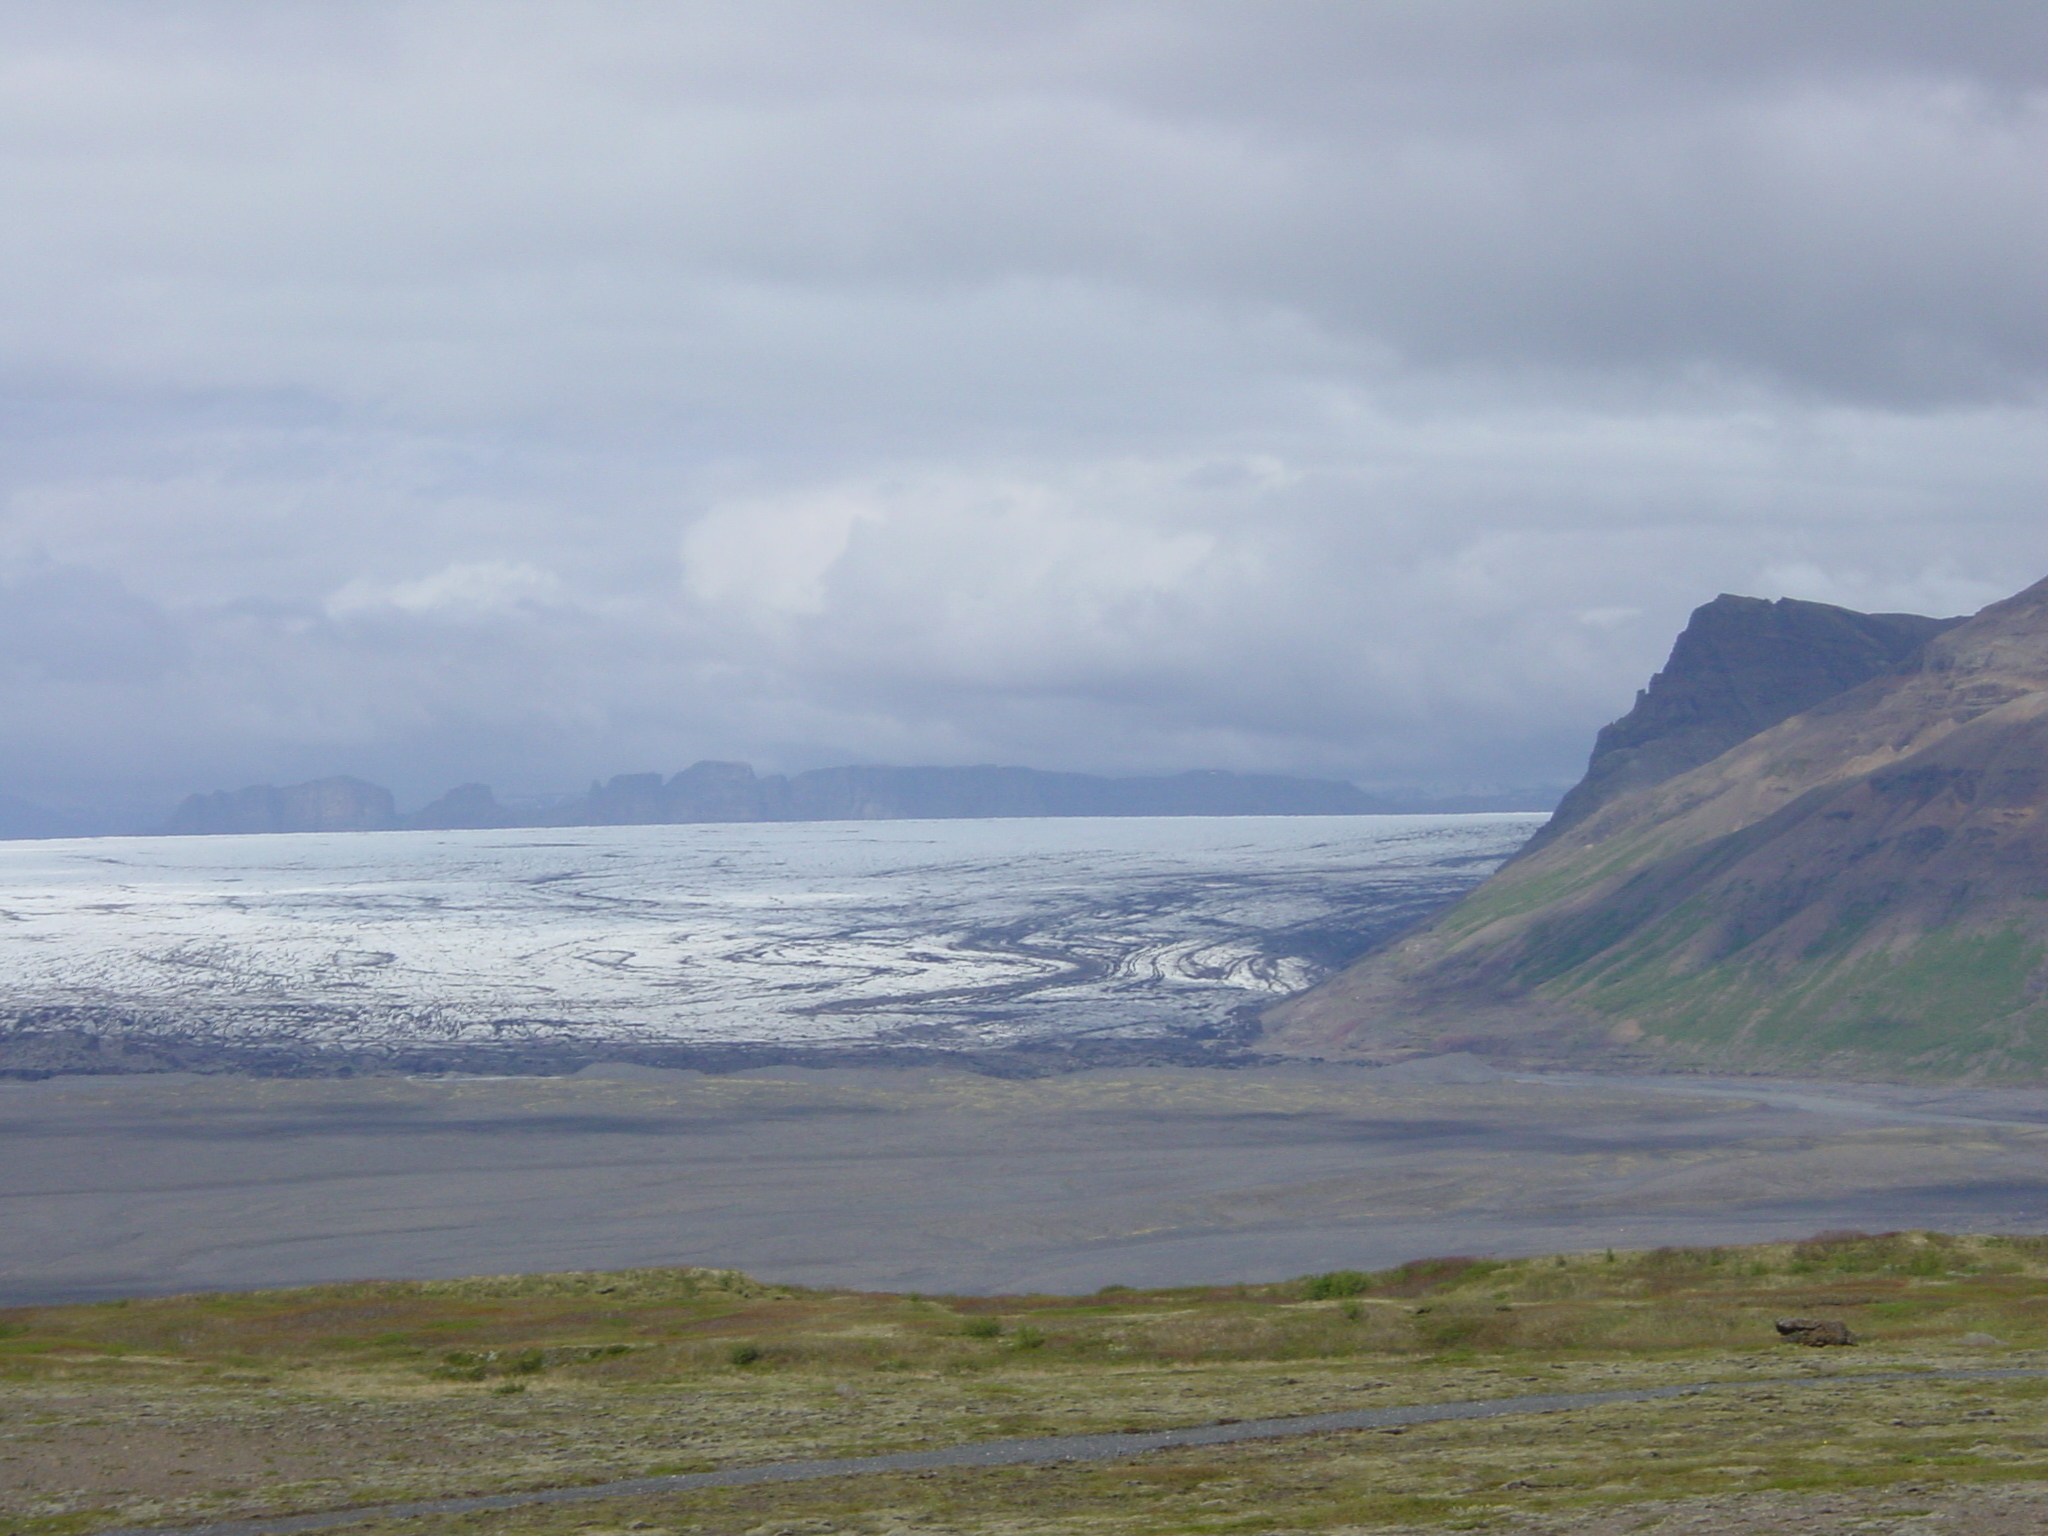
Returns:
point(1051, 1448)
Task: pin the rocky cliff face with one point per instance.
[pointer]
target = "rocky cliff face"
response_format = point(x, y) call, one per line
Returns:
point(1741, 665)
point(338, 804)
point(1861, 887)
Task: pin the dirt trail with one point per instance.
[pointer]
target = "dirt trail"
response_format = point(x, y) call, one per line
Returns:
point(1039, 1450)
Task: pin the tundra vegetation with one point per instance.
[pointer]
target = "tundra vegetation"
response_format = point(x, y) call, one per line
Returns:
point(187, 1408)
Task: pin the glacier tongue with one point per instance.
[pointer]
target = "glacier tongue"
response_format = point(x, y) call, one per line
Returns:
point(945, 932)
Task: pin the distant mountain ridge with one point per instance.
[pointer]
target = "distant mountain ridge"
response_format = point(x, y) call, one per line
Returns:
point(338, 804)
point(732, 792)
point(1861, 887)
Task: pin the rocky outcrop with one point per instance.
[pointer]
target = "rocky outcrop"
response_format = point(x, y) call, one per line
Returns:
point(1860, 888)
point(718, 791)
point(1816, 1332)
point(338, 804)
point(1740, 666)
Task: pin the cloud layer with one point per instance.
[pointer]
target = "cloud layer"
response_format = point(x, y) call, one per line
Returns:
point(441, 391)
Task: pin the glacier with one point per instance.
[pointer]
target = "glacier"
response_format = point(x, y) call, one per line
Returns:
point(953, 934)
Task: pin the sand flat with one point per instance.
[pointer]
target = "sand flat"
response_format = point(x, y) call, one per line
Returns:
point(942, 1181)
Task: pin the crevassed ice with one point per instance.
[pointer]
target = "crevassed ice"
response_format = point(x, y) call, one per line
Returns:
point(952, 931)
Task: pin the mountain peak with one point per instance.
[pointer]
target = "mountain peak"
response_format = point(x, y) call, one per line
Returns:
point(1862, 886)
point(1741, 665)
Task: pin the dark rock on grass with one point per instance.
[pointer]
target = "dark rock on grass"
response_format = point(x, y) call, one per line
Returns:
point(1814, 1331)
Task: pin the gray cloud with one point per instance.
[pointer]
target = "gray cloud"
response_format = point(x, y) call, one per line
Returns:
point(438, 391)
point(66, 625)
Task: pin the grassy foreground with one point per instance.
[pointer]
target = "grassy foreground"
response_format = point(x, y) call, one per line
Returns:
point(216, 1406)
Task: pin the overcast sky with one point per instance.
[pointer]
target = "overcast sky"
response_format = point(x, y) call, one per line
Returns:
point(525, 392)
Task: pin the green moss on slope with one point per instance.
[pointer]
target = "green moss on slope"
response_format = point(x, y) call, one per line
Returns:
point(1945, 1002)
point(1515, 893)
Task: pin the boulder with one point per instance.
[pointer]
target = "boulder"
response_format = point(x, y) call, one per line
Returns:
point(1814, 1331)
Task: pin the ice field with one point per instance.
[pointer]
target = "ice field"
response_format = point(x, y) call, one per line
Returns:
point(943, 932)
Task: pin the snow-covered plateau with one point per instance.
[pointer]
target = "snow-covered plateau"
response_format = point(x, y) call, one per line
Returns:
point(962, 934)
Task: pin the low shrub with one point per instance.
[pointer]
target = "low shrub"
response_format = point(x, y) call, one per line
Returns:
point(1336, 1283)
point(1920, 1254)
point(1426, 1275)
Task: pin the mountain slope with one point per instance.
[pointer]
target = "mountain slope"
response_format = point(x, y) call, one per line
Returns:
point(1861, 887)
point(1740, 666)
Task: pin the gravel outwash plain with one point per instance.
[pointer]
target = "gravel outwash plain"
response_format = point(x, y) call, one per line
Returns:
point(953, 1229)
point(938, 1180)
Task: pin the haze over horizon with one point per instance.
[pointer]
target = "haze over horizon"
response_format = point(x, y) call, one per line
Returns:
point(438, 391)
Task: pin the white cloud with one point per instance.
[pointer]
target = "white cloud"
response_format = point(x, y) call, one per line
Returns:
point(770, 558)
point(1941, 589)
point(483, 589)
point(989, 578)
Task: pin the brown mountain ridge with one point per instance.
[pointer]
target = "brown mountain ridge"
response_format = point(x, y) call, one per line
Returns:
point(1860, 888)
